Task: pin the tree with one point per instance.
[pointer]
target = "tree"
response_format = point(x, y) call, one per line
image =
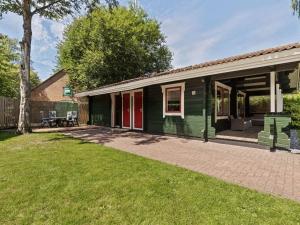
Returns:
point(108, 46)
point(50, 9)
point(296, 6)
point(9, 70)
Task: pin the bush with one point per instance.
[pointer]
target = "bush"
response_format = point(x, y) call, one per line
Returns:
point(292, 106)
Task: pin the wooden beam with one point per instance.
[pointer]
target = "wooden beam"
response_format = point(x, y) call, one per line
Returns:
point(244, 81)
point(272, 91)
point(254, 87)
point(258, 93)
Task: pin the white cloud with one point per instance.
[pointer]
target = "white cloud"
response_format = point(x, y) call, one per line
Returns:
point(57, 29)
point(39, 32)
point(196, 48)
point(194, 41)
point(11, 25)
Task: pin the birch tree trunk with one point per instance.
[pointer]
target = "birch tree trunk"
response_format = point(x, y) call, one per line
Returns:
point(24, 125)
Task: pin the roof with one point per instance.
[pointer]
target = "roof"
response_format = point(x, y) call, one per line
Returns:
point(58, 73)
point(207, 64)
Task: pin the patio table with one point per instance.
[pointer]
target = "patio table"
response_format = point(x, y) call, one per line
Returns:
point(59, 121)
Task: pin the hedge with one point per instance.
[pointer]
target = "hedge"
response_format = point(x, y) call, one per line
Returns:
point(291, 104)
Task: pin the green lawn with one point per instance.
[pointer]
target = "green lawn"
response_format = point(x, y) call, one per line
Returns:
point(52, 179)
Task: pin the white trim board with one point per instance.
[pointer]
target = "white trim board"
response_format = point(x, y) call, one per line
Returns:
point(133, 110)
point(287, 56)
point(113, 108)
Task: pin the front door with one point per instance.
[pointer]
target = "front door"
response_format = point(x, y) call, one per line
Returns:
point(138, 110)
point(126, 110)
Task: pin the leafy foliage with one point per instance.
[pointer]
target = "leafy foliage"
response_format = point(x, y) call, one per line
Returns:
point(52, 9)
point(292, 106)
point(108, 46)
point(296, 6)
point(9, 69)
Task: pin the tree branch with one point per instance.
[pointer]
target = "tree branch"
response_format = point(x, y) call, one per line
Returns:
point(19, 3)
point(37, 10)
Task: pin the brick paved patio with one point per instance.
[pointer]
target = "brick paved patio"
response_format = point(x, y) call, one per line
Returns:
point(276, 173)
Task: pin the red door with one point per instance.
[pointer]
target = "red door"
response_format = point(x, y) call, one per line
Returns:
point(126, 110)
point(138, 110)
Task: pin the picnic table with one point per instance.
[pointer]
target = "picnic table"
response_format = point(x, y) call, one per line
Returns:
point(52, 119)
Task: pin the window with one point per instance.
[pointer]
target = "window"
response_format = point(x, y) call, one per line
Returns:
point(173, 99)
point(222, 100)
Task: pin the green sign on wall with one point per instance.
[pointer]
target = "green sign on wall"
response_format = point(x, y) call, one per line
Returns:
point(68, 91)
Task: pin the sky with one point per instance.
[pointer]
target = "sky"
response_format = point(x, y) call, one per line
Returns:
point(196, 30)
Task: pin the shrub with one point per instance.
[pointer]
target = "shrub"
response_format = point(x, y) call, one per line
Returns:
point(292, 106)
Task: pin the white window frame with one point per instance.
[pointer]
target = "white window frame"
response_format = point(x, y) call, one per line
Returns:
point(182, 88)
point(113, 107)
point(219, 84)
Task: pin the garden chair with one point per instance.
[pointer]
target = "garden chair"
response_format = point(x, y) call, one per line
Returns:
point(52, 120)
point(72, 118)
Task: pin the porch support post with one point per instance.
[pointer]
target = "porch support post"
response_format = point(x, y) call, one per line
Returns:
point(279, 99)
point(90, 121)
point(113, 100)
point(207, 84)
point(272, 91)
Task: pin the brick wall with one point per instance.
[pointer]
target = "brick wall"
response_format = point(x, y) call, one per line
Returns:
point(52, 89)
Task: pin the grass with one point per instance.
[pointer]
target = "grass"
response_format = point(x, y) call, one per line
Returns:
point(52, 179)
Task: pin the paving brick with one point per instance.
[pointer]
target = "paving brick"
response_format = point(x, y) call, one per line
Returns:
point(276, 173)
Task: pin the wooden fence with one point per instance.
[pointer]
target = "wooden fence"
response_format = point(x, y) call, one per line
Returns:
point(83, 108)
point(9, 111)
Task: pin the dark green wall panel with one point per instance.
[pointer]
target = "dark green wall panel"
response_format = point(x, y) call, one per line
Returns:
point(100, 107)
point(193, 122)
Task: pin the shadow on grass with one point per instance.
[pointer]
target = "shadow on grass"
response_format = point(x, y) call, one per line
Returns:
point(67, 138)
point(104, 136)
point(7, 134)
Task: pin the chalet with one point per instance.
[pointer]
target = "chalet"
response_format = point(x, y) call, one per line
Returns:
point(208, 100)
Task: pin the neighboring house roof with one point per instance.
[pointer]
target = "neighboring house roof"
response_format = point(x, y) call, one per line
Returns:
point(53, 78)
point(266, 57)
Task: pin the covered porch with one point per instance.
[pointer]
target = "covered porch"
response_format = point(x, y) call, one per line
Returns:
point(246, 104)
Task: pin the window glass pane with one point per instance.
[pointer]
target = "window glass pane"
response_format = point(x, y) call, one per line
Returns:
point(219, 101)
point(225, 102)
point(173, 100)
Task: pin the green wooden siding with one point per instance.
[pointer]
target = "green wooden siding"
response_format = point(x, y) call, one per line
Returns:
point(100, 107)
point(278, 134)
point(193, 123)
